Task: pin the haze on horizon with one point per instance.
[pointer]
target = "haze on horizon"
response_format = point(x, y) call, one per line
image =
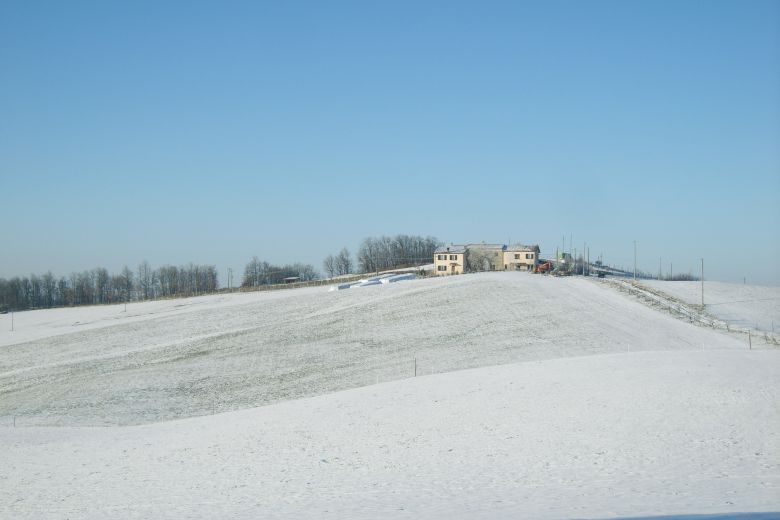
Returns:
point(207, 133)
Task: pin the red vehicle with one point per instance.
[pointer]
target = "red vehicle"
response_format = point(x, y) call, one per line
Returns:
point(543, 267)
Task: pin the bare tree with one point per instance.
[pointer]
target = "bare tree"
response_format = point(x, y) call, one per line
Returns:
point(368, 253)
point(101, 280)
point(146, 280)
point(477, 260)
point(64, 292)
point(329, 266)
point(127, 283)
point(49, 288)
point(343, 262)
point(251, 273)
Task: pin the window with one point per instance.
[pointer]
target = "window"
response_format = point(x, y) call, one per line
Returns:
point(442, 268)
point(453, 257)
point(441, 257)
point(529, 256)
point(517, 256)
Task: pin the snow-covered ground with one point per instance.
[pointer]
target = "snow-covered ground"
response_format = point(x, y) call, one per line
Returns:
point(640, 433)
point(601, 407)
point(182, 358)
point(375, 280)
point(40, 324)
point(748, 306)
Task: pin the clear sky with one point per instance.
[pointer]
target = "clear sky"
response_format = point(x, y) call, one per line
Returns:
point(213, 131)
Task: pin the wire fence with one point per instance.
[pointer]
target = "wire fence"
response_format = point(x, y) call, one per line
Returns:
point(693, 313)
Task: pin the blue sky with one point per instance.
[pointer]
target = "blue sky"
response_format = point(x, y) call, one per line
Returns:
point(211, 132)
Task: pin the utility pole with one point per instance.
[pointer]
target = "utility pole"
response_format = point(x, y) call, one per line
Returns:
point(702, 282)
point(635, 260)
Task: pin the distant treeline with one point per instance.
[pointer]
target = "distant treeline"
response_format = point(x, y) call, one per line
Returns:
point(258, 272)
point(680, 277)
point(383, 253)
point(98, 286)
point(376, 254)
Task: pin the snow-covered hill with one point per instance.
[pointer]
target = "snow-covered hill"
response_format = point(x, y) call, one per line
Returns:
point(198, 356)
point(587, 403)
point(755, 307)
point(632, 434)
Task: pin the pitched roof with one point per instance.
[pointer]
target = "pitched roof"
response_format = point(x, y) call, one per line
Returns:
point(452, 248)
point(460, 249)
point(483, 246)
point(523, 248)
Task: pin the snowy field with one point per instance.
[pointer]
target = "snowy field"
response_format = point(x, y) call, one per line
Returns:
point(34, 325)
point(747, 306)
point(620, 435)
point(198, 356)
point(577, 401)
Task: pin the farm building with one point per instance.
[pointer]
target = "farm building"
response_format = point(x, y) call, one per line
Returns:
point(457, 259)
point(449, 260)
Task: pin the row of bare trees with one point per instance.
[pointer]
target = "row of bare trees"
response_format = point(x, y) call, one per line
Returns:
point(381, 253)
point(189, 280)
point(98, 286)
point(258, 272)
point(338, 265)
